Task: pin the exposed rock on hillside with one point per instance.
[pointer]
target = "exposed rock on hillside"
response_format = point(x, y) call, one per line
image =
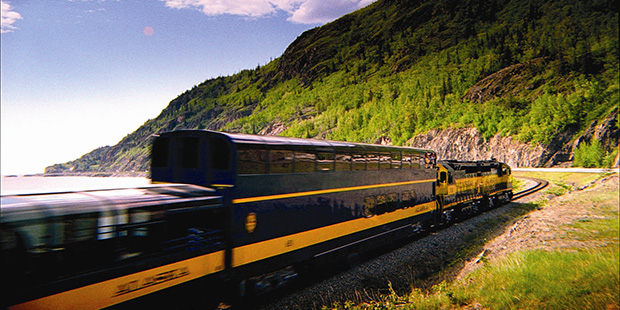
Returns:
point(468, 144)
point(606, 131)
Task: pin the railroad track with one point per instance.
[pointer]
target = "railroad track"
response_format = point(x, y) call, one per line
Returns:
point(540, 184)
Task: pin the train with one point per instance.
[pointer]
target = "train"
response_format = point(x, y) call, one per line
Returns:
point(230, 215)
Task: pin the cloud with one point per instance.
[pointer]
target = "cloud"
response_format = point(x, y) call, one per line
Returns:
point(9, 17)
point(321, 12)
point(299, 11)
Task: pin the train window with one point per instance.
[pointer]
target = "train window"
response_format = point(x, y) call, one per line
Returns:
point(139, 217)
point(220, 154)
point(305, 161)
point(372, 162)
point(406, 161)
point(34, 233)
point(369, 206)
point(393, 200)
point(325, 161)
point(396, 161)
point(105, 225)
point(405, 196)
point(160, 152)
point(80, 227)
point(281, 161)
point(382, 205)
point(251, 160)
point(343, 162)
point(385, 161)
point(381, 199)
point(442, 177)
point(193, 228)
point(359, 162)
point(189, 150)
point(408, 198)
point(142, 235)
point(417, 161)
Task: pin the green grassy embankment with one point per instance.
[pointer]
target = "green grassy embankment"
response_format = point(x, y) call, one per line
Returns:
point(562, 256)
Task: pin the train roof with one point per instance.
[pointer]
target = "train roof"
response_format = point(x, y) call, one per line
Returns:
point(239, 138)
point(482, 165)
point(32, 206)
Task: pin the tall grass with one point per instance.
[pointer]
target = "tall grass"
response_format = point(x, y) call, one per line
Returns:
point(534, 279)
point(546, 280)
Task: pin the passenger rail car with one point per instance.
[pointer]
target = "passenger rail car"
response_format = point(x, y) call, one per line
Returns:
point(301, 201)
point(96, 249)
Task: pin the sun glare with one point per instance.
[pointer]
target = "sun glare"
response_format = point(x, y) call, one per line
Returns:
point(148, 31)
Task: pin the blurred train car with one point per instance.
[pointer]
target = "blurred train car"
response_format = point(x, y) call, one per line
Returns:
point(96, 249)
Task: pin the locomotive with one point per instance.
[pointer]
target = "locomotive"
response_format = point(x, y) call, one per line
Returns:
point(230, 215)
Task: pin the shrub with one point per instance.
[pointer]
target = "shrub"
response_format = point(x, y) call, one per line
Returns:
point(589, 155)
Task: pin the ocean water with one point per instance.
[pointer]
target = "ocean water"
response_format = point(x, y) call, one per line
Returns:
point(40, 184)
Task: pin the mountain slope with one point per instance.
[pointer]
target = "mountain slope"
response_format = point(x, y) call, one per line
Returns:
point(396, 69)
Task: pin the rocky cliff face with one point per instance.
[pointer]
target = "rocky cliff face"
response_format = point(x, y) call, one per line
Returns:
point(468, 144)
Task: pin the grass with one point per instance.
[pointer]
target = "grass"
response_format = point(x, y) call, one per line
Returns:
point(578, 277)
point(517, 184)
point(601, 226)
point(564, 179)
point(560, 182)
point(537, 279)
point(533, 279)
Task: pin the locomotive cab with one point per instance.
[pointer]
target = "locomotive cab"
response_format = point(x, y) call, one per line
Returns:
point(443, 178)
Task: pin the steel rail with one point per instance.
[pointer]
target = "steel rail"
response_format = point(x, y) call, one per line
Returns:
point(540, 184)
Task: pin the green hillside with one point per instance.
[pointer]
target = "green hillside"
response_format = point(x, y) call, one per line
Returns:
point(395, 69)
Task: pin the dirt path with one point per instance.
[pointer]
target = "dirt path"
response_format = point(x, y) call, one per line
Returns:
point(547, 227)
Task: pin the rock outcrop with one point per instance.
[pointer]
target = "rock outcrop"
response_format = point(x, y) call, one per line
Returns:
point(469, 144)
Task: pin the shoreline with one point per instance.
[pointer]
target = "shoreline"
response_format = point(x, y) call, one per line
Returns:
point(83, 174)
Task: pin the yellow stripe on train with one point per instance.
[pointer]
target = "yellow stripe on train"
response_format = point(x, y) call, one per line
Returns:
point(118, 290)
point(257, 251)
point(327, 191)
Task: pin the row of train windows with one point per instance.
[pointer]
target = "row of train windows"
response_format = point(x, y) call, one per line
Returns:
point(131, 234)
point(255, 160)
point(478, 174)
point(188, 152)
point(260, 161)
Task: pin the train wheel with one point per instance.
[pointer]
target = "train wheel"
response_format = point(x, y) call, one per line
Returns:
point(446, 218)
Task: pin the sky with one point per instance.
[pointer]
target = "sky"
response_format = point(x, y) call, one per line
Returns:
point(80, 74)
